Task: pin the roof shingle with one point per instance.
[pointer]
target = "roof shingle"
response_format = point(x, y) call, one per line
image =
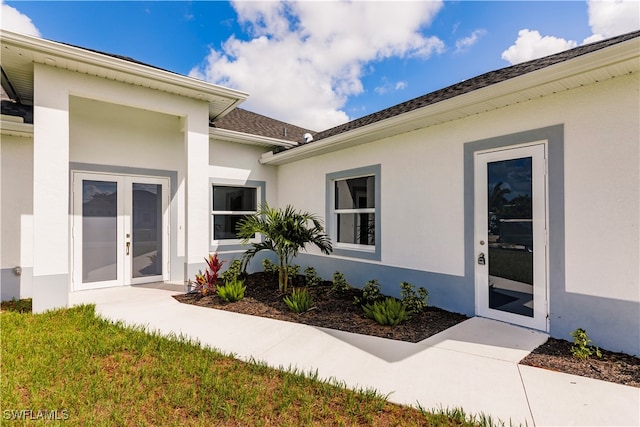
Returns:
point(240, 120)
point(473, 84)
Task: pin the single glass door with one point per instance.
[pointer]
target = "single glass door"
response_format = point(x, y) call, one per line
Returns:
point(511, 235)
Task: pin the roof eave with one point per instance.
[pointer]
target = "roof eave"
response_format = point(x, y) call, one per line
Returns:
point(246, 138)
point(187, 86)
point(481, 100)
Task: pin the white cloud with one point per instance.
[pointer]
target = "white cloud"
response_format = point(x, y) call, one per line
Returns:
point(13, 20)
point(387, 86)
point(305, 59)
point(607, 18)
point(612, 18)
point(530, 45)
point(466, 42)
point(401, 85)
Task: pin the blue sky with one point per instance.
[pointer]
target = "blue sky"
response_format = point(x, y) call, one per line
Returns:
point(319, 64)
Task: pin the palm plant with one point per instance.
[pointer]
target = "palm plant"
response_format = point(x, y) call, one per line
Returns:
point(285, 232)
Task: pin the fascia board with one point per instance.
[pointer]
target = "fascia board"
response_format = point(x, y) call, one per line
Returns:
point(16, 129)
point(245, 138)
point(624, 52)
point(51, 49)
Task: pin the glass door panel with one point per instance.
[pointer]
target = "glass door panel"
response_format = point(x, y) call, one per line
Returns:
point(510, 236)
point(100, 231)
point(146, 239)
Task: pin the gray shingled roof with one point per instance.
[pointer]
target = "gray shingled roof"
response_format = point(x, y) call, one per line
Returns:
point(244, 121)
point(472, 84)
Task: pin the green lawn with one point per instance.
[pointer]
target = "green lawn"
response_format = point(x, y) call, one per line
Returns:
point(75, 366)
point(511, 264)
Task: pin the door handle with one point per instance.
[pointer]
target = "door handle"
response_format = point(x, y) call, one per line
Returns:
point(128, 244)
point(481, 260)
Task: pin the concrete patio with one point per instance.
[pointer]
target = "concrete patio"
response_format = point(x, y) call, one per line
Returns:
point(473, 365)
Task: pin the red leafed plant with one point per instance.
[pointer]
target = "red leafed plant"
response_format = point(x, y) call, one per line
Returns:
point(206, 283)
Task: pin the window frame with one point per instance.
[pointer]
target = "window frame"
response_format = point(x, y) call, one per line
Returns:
point(371, 252)
point(232, 244)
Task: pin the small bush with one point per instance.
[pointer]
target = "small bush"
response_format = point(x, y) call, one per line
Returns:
point(582, 348)
point(17, 305)
point(388, 312)
point(294, 271)
point(311, 276)
point(370, 293)
point(414, 302)
point(232, 290)
point(269, 266)
point(299, 301)
point(206, 283)
point(234, 271)
point(339, 283)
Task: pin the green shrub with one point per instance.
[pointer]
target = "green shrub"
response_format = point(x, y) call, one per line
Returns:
point(582, 348)
point(311, 277)
point(414, 302)
point(232, 290)
point(233, 272)
point(294, 271)
point(269, 266)
point(339, 283)
point(17, 305)
point(299, 301)
point(388, 312)
point(370, 293)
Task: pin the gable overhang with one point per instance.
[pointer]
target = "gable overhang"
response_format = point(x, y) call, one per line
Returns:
point(610, 62)
point(20, 52)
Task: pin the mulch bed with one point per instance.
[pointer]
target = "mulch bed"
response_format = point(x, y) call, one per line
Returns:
point(333, 310)
point(336, 310)
point(556, 355)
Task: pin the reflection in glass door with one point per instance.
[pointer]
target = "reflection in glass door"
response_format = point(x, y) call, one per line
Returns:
point(146, 238)
point(100, 231)
point(510, 235)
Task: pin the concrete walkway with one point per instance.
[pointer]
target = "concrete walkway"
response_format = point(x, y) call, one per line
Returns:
point(473, 365)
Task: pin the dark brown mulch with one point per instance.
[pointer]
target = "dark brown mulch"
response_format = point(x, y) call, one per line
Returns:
point(335, 310)
point(556, 355)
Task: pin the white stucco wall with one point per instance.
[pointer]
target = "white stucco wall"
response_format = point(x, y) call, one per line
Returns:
point(111, 134)
point(16, 216)
point(422, 180)
point(239, 163)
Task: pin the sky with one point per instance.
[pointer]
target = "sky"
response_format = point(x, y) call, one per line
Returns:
point(318, 64)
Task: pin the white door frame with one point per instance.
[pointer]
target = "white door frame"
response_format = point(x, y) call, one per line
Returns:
point(537, 151)
point(124, 257)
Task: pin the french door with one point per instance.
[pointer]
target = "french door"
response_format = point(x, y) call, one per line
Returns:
point(510, 235)
point(120, 230)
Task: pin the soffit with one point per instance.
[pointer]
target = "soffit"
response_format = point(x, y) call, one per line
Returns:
point(20, 52)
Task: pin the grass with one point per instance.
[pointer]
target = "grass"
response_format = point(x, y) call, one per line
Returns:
point(74, 365)
point(511, 264)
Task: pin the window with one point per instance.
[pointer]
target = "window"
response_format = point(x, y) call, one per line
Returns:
point(230, 205)
point(353, 212)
